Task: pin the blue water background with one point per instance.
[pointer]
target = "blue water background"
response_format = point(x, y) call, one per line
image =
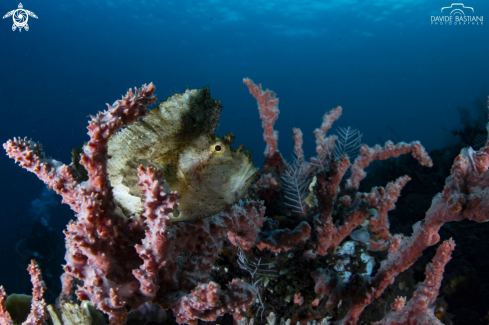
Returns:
point(395, 74)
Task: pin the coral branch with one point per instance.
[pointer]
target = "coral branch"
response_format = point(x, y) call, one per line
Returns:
point(247, 220)
point(94, 243)
point(465, 195)
point(206, 302)
point(398, 303)
point(190, 249)
point(324, 283)
point(284, 239)
point(367, 155)
point(5, 318)
point(53, 173)
point(38, 312)
point(101, 236)
point(328, 119)
point(385, 202)
point(328, 234)
point(158, 205)
point(299, 153)
point(67, 286)
point(418, 310)
point(268, 107)
point(325, 146)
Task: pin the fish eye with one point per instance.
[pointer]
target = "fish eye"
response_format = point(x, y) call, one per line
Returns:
point(217, 148)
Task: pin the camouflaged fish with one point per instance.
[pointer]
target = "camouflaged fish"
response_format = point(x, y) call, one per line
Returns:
point(178, 138)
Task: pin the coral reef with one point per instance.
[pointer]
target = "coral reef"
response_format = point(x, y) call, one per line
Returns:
point(169, 214)
point(106, 249)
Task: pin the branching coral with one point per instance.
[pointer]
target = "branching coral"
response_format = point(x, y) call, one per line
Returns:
point(127, 260)
point(341, 209)
point(129, 248)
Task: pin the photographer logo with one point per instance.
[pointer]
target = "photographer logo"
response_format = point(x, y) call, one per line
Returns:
point(20, 17)
point(457, 14)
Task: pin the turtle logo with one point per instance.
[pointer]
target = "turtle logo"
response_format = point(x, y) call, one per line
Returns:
point(20, 17)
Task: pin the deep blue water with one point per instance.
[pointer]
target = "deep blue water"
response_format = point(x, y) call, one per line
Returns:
point(396, 75)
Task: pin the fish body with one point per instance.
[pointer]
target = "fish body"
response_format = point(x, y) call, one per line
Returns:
point(178, 138)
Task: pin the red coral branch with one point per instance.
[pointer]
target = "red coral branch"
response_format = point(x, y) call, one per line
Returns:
point(158, 205)
point(299, 153)
point(53, 173)
point(206, 302)
point(247, 220)
point(325, 145)
point(5, 318)
point(418, 310)
point(367, 155)
point(101, 236)
point(38, 313)
point(465, 195)
point(268, 107)
point(285, 239)
point(385, 202)
point(328, 234)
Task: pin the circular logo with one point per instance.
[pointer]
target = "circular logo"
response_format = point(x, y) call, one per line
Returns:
point(20, 18)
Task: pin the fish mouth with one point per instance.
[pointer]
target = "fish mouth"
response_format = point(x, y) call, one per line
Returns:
point(247, 174)
point(250, 179)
